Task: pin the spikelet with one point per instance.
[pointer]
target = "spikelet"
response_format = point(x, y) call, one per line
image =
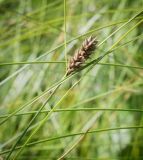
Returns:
point(81, 55)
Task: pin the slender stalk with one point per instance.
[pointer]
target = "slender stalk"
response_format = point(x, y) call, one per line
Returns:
point(65, 34)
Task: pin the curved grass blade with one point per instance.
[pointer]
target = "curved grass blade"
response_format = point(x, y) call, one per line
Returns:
point(75, 134)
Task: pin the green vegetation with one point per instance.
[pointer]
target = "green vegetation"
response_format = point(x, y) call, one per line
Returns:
point(93, 114)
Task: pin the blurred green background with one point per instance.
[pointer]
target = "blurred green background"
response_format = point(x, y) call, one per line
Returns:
point(37, 38)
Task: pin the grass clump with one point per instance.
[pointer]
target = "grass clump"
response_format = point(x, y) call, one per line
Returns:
point(95, 113)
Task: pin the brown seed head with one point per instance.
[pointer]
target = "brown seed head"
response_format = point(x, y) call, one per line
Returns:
point(81, 55)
